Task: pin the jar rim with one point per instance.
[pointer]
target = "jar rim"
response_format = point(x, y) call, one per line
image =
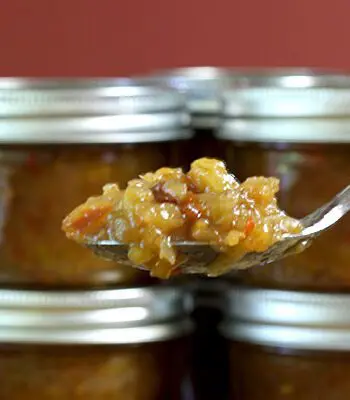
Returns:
point(278, 318)
point(327, 97)
point(111, 316)
point(204, 86)
point(89, 110)
point(285, 130)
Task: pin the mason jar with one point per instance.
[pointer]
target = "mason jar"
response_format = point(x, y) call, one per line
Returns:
point(301, 136)
point(203, 87)
point(288, 345)
point(60, 142)
point(129, 344)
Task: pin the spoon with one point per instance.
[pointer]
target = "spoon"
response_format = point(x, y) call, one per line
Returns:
point(199, 256)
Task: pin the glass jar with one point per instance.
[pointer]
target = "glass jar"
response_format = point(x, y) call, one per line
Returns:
point(60, 142)
point(288, 345)
point(203, 88)
point(128, 344)
point(301, 136)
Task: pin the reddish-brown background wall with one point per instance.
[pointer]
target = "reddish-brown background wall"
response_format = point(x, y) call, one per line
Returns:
point(119, 37)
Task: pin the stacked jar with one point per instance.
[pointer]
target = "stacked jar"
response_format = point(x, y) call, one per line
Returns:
point(123, 344)
point(291, 345)
point(300, 133)
point(60, 143)
point(203, 88)
point(75, 326)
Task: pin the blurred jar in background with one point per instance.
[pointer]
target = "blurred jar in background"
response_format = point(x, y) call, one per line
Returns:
point(203, 88)
point(60, 142)
point(95, 345)
point(288, 345)
point(300, 134)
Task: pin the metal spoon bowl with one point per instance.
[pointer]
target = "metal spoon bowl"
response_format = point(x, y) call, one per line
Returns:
point(199, 256)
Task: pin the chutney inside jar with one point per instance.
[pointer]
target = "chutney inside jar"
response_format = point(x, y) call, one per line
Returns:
point(310, 175)
point(153, 371)
point(95, 344)
point(301, 135)
point(288, 374)
point(60, 139)
point(40, 184)
point(293, 345)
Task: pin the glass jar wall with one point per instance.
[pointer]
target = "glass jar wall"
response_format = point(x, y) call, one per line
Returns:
point(310, 176)
point(41, 185)
point(288, 345)
point(145, 372)
point(288, 374)
point(203, 88)
point(303, 138)
point(97, 345)
point(58, 146)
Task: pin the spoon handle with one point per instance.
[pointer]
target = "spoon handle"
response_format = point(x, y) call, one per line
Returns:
point(327, 215)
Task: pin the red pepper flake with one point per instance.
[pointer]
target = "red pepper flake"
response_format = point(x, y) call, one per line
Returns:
point(249, 227)
point(89, 221)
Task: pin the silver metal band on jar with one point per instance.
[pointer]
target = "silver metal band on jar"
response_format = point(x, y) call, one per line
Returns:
point(90, 111)
point(118, 316)
point(288, 319)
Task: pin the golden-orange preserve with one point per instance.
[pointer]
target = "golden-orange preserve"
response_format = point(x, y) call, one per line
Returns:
point(206, 204)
